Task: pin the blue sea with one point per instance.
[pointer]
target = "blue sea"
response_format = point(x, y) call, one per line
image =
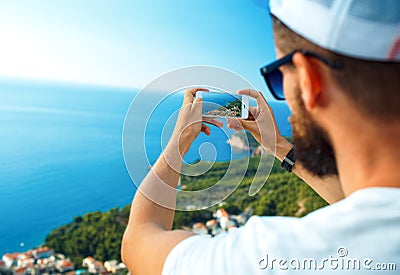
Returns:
point(61, 154)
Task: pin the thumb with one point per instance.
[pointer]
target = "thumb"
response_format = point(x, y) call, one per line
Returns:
point(197, 105)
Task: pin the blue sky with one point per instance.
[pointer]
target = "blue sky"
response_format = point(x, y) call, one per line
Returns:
point(130, 42)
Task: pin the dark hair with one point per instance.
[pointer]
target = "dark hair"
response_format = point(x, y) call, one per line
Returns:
point(374, 87)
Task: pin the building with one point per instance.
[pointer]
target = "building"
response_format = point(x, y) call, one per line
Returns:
point(243, 217)
point(200, 228)
point(111, 266)
point(89, 263)
point(30, 269)
point(213, 227)
point(93, 266)
point(99, 267)
point(64, 265)
point(42, 260)
point(25, 259)
point(42, 252)
point(10, 259)
point(224, 219)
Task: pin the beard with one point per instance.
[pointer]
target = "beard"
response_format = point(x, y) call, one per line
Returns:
point(314, 149)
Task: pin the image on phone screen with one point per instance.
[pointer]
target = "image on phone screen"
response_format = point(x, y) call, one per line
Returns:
point(219, 104)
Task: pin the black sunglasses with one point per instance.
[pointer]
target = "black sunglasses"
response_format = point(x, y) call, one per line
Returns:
point(274, 78)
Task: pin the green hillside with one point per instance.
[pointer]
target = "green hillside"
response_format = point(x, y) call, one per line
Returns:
point(284, 194)
point(96, 234)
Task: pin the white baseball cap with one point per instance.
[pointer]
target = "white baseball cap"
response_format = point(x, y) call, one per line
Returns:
point(363, 29)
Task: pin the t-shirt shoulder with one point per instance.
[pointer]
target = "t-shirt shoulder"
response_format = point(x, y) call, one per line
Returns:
point(344, 224)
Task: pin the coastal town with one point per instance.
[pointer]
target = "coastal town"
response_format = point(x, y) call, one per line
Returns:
point(44, 260)
point(225, 112)
point(222, 221)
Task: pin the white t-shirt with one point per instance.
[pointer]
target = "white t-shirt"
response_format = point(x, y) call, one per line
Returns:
point(358, 235)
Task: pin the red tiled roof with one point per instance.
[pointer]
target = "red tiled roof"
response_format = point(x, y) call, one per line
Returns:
point(20, 270)
point(12, 256)
point(224, 213)
point(90, 259)
point(66, 263)
point(211, 222)
point(42, 249)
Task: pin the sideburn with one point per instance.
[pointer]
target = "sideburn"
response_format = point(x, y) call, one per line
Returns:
point(314, 149)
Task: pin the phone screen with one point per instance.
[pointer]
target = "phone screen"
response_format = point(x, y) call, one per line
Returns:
point(223, 105)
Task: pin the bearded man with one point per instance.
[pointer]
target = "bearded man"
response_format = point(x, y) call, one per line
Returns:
point(338, 69)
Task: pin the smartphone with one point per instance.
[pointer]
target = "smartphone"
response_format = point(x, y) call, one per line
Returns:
point(222, 104)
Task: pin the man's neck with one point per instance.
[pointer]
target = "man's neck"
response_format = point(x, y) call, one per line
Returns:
point(368, 155)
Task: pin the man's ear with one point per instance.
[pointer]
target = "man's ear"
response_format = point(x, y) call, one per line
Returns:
point(309, 80)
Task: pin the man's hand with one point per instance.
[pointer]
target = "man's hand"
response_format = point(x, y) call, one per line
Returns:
point(190, 122)
point(262, 125)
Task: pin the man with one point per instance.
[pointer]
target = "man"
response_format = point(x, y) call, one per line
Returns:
point(339, 71)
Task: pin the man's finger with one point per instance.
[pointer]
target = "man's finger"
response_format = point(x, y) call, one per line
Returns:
point(234, 127)
point(236, 124)
point(233, 122)
point(213, 121)
point(205, 129)
point(191, 93)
